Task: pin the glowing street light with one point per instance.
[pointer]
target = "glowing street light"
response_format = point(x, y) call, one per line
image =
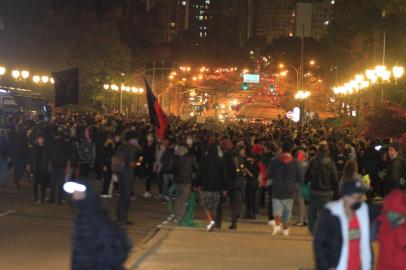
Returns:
point(25, 74)
point(106, 87)
point(114, 87)
point(36, 79)
point(141, 90)
point(15, 74)
point(281, 65)
point(397, 71)
point(302, 95)
point(44, 79)
point(52, 81)
point(312, 62)
point(2, 71)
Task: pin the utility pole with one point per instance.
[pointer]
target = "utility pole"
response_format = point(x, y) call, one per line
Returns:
point(302, 58)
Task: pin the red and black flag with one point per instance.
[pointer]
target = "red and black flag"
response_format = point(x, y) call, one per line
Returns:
point(157, 116)
point(66, 87)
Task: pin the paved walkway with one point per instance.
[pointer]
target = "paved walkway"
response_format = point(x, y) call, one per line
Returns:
point(251, 247)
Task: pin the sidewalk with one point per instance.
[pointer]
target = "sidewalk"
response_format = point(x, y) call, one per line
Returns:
point(250, 247)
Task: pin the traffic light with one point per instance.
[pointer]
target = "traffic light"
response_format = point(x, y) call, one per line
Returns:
point(272, 88)
point(245, 86)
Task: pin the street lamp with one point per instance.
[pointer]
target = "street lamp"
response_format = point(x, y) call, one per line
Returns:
point(106, 87)
point(2, 71)
point(36, 79)
point(52, 80)
point(397, 72)
point(15, 74)
point(301, 94)
point(25, 74)
point(44, 79)
point(312, 62)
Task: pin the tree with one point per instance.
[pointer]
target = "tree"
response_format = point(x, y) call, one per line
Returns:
point(60, 34)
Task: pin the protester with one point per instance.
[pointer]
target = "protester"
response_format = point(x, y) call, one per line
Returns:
point(123, 165)
point(211, 179)
point(286, 175)
point(107, 153)
point(98, 243)
point(395, 169)
point(323, 179)
point(61, 156)
point(392, 231)
point(342, 237)
point(39, 167)
point(149, 159)
point(184, 164)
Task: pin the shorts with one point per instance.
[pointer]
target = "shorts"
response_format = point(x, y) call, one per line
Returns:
point(283, 209)
point(210, 200)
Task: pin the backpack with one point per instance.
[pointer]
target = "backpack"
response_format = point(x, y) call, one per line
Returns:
point(118, 164)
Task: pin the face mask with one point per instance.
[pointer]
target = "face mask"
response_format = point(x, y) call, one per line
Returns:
point(355, 206)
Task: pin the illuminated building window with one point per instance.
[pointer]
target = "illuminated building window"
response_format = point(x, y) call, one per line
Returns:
point(201, 18)
point(183, 3)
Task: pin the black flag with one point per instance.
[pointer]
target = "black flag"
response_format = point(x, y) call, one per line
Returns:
point(66, 87)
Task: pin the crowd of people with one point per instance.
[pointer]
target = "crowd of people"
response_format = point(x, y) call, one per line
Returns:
point(250, 166)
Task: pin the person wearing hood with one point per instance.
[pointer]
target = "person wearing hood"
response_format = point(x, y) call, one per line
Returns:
point(286, 174)
point(392, 231)
point(98, 243)
point(323, 179)
point(212, 179)
point(342, 236)
point(184, 165)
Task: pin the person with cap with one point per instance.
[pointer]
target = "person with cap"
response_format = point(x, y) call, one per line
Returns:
point(98, 243)
point(342, 236)
point(322, 177)
point(395, 170)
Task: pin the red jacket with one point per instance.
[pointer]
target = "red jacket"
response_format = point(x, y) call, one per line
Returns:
point(392, 239)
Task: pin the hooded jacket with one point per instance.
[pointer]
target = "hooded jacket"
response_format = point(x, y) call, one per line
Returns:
point(98, 243)
point(285, 174)
point(212, 172)
point(331, 240)
point(184, 164)
point(392, 235)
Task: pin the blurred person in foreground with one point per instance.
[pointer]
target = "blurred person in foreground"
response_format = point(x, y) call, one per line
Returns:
point(392, 230)
point(342, 237)
point(98, 243)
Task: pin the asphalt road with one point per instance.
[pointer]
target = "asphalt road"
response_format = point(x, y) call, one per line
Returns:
point(38, 236)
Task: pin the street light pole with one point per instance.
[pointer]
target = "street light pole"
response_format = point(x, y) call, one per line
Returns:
point(121, 99)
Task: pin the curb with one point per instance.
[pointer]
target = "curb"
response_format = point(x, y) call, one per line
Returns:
point(147, 246)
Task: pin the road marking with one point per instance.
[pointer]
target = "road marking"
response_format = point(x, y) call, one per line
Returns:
point(7, 213)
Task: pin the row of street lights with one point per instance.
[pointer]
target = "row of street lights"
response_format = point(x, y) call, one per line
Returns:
point(378, 75)
point(124, 88)
point(25, 74)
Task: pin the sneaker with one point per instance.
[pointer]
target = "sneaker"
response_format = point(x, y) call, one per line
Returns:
point(300, 224)
point(276, 230)
point(271, 223)
point(169, 219)
point(106, 196)
point(285, 232)
point(147, 195)
point(210, 227)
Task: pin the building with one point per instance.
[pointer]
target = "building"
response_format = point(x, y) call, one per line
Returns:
point(280, 19)
point(313, 17)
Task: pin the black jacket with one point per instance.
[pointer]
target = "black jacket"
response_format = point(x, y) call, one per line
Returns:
point(40, 158)
point(322, 176)
point(61, 152)
point(183, 167)
point(231, 169)
point(212, 173)
point(285, 174)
